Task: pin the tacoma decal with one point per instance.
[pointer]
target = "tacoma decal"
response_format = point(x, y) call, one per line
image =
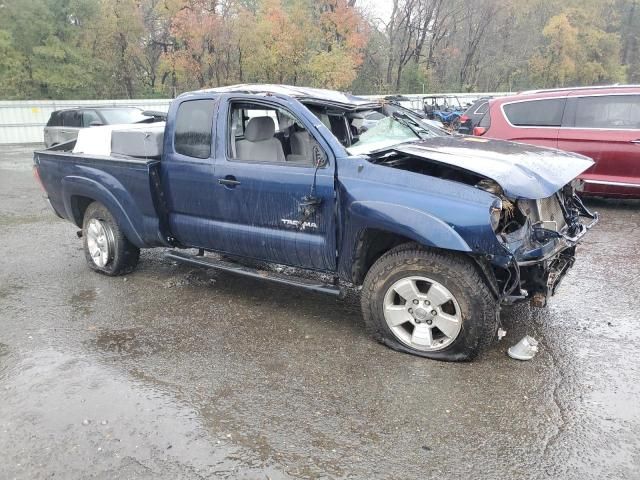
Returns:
point(298, 224)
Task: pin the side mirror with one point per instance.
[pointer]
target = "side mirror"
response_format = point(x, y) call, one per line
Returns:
point(319, 158)
point(96, 123)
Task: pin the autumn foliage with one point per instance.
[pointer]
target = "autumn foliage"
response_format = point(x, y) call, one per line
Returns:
point(159, 48)
point(216, 43)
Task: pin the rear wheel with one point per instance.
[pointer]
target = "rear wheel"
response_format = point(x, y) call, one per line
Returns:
point(106, 249)
point(429, 303)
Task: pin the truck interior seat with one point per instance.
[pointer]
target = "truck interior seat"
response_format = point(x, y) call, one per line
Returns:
point(301, 143)
point(259, 143)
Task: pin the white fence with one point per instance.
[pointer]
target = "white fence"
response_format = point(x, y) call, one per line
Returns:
point(23, 121)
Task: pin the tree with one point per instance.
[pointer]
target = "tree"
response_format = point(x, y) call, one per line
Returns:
point(278, 42)
point(47, 37)
point(140, 48)
point(577, 50)
point(13, 77)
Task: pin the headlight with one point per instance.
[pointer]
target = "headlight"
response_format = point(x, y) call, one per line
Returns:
point(495, 212)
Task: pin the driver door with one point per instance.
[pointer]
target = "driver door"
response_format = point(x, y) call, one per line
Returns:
point(265, 174)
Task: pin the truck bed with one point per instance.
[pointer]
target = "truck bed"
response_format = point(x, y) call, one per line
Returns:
point(127, 186)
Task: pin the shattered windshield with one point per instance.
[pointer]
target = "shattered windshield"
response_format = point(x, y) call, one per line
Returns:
point(384, 133)
point(380, 129)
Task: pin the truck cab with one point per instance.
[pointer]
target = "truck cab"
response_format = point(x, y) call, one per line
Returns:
point(237, 185)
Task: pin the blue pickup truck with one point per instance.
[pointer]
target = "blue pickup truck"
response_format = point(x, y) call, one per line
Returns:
point(437, 231)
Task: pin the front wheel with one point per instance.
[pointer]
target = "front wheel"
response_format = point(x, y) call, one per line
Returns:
point(106, 248)
point(429, 303)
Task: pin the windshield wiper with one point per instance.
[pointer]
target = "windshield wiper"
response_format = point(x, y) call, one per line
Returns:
point(411, 124)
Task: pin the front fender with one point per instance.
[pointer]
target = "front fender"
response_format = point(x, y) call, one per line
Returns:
point(124, 210)
point(411, 223)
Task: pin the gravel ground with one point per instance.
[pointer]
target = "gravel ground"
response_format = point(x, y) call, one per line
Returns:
point(172, 372)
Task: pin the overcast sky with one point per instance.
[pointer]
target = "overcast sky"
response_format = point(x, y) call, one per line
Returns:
point(378, 8)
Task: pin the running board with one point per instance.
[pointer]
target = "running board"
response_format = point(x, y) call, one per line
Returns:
point(205, 262)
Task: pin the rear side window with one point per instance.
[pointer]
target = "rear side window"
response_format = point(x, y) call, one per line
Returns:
point(608, 111)
point(485, 121)
point(54, 120)
point(71, 119)
point(481, 109)
point(535, 113)
point(194, 122)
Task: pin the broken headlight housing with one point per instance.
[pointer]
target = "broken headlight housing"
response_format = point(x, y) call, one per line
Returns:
point(495, 214)
point(501, 212)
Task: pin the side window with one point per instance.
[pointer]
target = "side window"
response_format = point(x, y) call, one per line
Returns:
point(608, 111)
point(336, 122)
point(71, 119)
point(260, 133)
point(54, 120)
point(194, 122)
point(482, 109)
point(89, 116)
point(535, 113)
point(485, 121)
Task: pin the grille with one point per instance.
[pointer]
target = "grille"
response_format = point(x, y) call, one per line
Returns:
point(549, 210)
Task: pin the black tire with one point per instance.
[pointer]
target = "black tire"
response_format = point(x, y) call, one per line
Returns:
point(458, 274)
point(123, 255)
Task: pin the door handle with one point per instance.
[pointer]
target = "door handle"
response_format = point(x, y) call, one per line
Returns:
point(637, 142)
point(228, 181)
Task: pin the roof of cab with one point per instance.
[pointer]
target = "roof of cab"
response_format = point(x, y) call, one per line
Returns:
point(319, 95)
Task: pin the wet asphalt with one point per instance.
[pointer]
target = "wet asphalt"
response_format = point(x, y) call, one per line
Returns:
point(172, 372)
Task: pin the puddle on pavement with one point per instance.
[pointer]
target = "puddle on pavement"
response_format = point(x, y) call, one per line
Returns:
point(197, 277)
point(82, 302)
point(119, 341)
point(4, 353)
point(95, 413)
point(8, 290)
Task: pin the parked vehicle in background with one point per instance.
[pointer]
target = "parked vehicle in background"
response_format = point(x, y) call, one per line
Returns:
point(472, 115)
point(439, 231)
point(63, 125)
point(445, 109)
point(600, 122)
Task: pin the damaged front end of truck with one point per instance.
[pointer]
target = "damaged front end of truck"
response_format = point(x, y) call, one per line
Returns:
point(541, 237)
point(537, 217)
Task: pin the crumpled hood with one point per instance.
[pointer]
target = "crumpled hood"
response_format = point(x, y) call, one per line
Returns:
point(523, 171)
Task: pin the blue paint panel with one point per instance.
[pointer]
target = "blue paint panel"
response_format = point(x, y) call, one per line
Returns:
point(431, 211)
point(121, 185)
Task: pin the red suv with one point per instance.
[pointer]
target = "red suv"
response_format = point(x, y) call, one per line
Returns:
point(600, 122)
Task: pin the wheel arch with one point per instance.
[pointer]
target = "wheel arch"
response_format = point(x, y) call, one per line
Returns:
point(371, 244)
point(80, 192)
point(381, 226)
point(79, 205)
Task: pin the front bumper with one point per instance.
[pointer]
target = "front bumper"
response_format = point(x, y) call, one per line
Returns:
point(541, 258)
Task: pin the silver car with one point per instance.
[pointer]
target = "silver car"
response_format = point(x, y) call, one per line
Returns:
point(63, 125)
